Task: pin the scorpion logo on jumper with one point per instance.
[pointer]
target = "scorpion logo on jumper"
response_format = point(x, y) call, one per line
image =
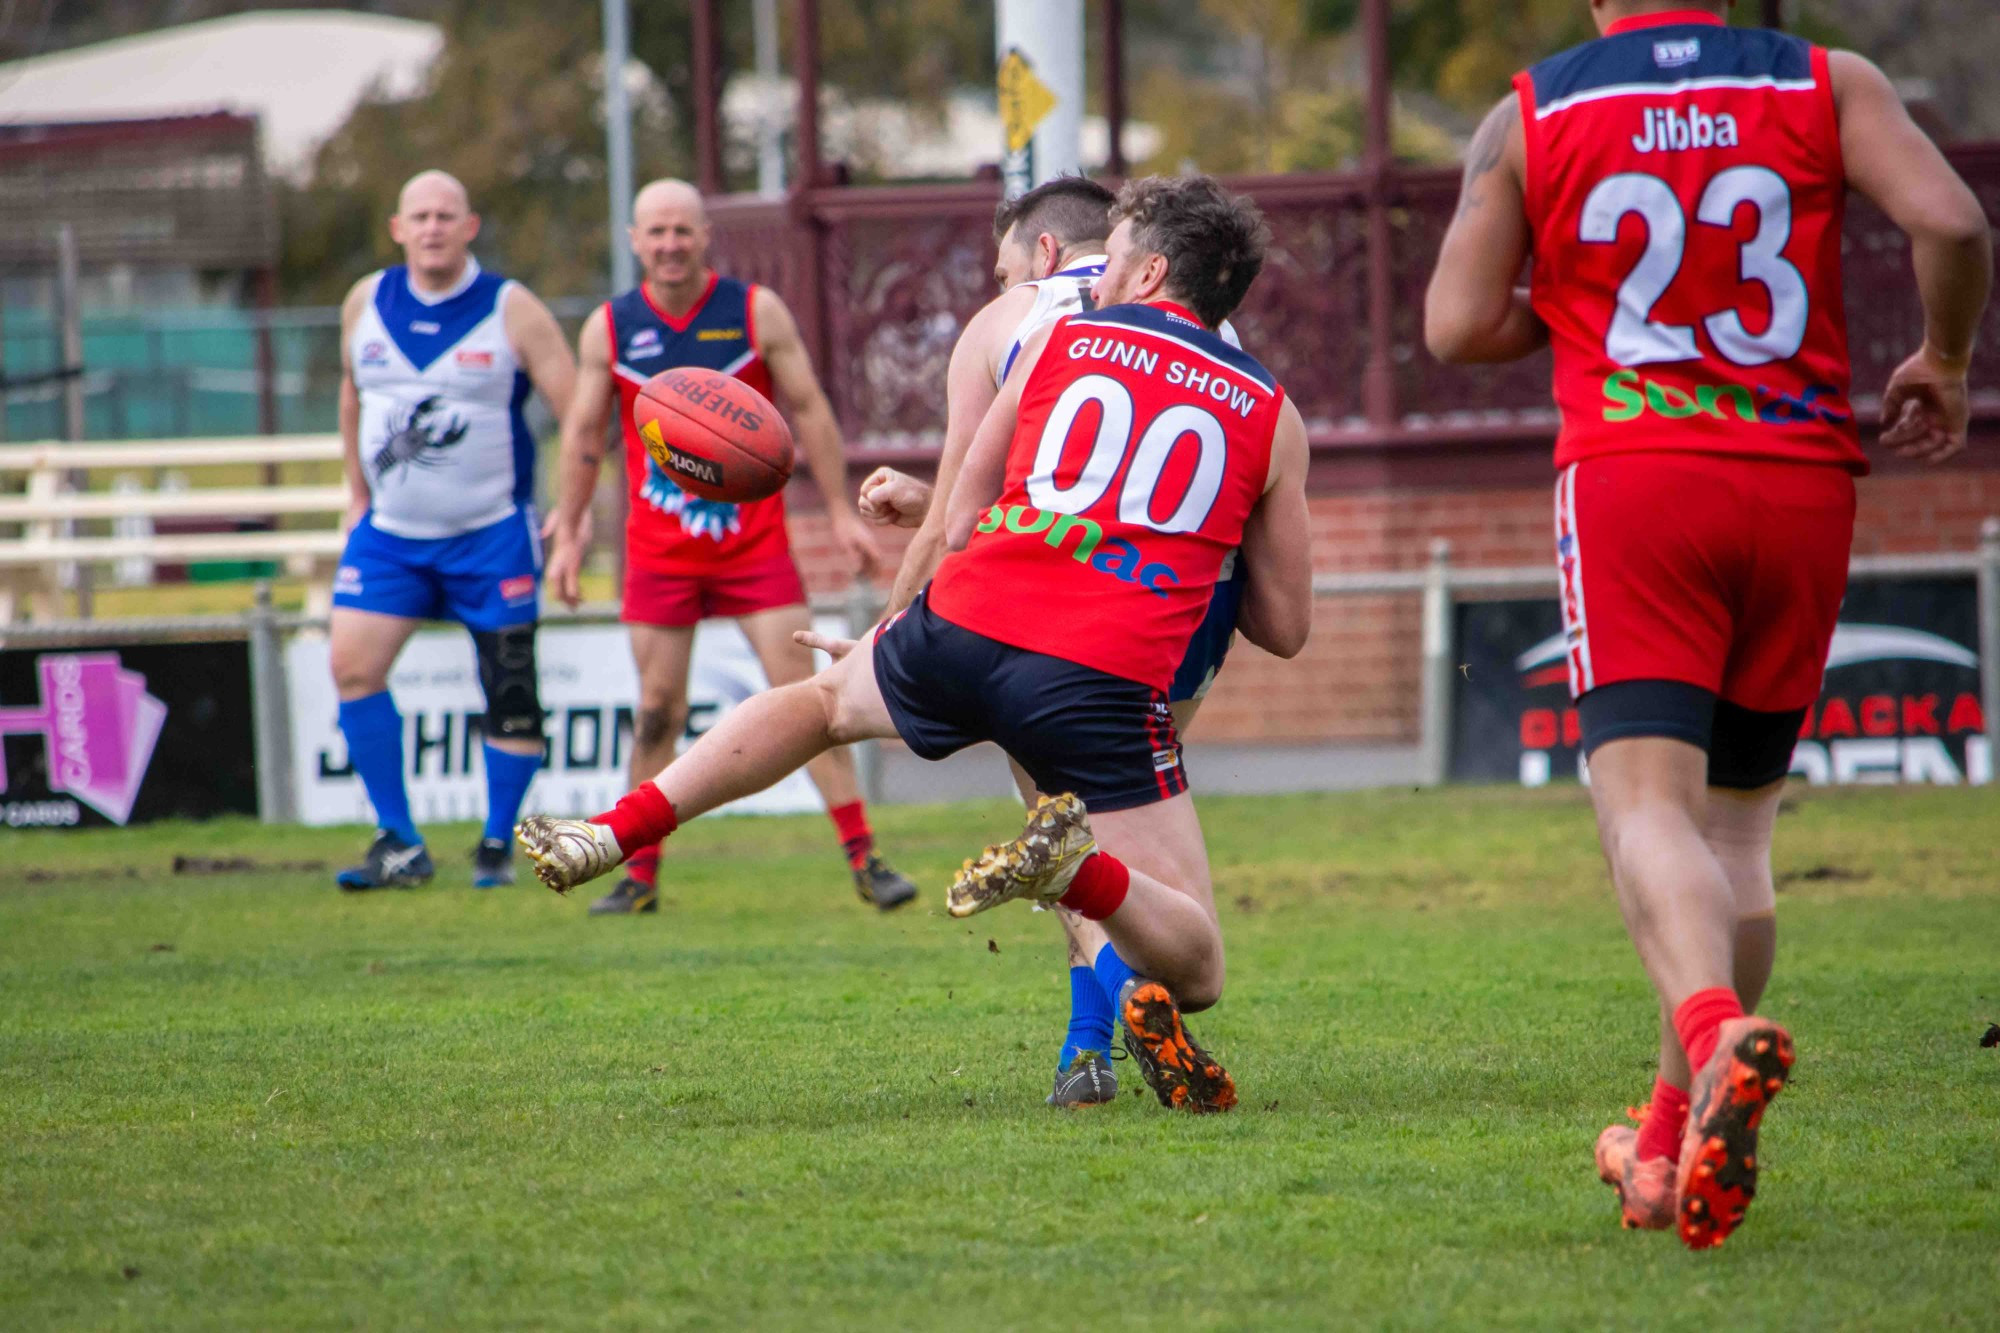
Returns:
point(419, 438)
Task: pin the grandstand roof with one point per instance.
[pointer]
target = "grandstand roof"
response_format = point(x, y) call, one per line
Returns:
point(299, 72)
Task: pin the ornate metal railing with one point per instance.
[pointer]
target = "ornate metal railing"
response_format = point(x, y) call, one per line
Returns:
point(884, 278)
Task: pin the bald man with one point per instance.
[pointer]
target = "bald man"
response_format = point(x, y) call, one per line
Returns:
point(437, 356)
point(689, 559)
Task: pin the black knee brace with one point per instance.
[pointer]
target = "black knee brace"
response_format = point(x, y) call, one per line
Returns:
point(507, 674)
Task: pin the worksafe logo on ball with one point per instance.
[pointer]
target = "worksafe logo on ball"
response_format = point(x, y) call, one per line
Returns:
point(99, 726)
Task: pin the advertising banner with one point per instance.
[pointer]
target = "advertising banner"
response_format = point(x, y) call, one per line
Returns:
point(1901, 701)
point(119, 735)
point(589, 691)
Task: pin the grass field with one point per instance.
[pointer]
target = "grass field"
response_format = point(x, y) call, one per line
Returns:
point(242, 1100)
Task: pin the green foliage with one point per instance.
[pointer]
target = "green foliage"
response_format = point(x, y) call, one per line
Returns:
point(247, 1101)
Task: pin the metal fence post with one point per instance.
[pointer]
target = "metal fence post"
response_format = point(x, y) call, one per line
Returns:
point(862, 604)
point(1989, 637)
point(271, 714)
point(1435, 739)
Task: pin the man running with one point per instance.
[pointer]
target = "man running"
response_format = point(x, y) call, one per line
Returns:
point(1050, 246)
point(688, 559)
point(437, 357)
point(1082, 561)
point(1680, 186)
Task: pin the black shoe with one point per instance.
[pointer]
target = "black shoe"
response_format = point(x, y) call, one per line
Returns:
point(492, 864)
point(881, 886)
point(627, 896)
point(391, 863)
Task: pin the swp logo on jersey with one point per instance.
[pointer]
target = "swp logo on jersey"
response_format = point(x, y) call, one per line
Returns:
point(99, 727)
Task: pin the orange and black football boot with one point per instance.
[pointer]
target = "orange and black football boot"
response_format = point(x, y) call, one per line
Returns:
point(1718, 1172)
point(1645, 1186)
point(1181, 1074)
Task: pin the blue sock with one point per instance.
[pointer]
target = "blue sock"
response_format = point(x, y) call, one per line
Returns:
point(1112, 974)
point(507, 779)
point(374, 732)
point(1089, 1017)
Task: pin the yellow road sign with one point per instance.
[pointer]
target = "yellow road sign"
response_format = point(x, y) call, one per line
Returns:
point(1025, 101)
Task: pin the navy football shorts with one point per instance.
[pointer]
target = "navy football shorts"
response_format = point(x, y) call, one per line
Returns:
point(1109, 740)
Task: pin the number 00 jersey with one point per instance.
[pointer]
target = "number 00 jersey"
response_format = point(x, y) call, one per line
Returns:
point(1686, 195)
point(1143, 444)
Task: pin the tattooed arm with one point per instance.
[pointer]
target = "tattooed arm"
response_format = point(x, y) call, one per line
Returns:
point(1474, 311)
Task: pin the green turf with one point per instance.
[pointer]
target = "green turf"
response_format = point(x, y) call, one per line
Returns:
point(246, 1101)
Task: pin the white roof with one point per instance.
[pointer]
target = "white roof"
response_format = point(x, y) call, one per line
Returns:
point(299, 72)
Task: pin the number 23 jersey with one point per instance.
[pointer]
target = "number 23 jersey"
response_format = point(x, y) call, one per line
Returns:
point(1686, 195)
point(1142, 445)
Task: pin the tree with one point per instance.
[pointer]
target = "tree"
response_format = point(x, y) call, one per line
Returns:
point(513, 109)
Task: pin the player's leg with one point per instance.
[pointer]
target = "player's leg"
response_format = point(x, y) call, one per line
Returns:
point(1737, 828)
point(384, 590)
point(785, 662)
point(1080, 1078)
point(1650, 612)
point(1134, 863)
point(1084, 1074)
point(1650, 795)
point(490, 581)
point(364, 646)
point(758, 743)
point(1798, 523)
point(662, 656)
point(1147, 888)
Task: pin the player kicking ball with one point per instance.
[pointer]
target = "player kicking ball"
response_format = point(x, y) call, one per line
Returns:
point(1050, 246)
point(1132, 451)
point(1680, 186)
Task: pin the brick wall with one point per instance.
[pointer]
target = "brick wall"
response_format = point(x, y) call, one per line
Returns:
point(1357, 679)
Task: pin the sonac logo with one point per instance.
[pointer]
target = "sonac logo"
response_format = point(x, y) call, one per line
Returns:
point(1628, 396)
point(1117, 557)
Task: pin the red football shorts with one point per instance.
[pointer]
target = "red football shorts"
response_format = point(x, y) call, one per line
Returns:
point(671, 600)
point(1722, 574)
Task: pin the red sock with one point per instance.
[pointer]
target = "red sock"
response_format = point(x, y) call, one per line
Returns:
point(1666, 1120)
point(644, 865)
point(850, 821)
point(1099, 887)
point(1698, 1018)
point(640, 819)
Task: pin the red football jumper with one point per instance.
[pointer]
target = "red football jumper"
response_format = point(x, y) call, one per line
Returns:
point(669, 531)
point(1686, 195)
point(1142, 446)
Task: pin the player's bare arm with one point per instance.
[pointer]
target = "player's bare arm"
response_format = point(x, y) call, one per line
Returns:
point(979, 481)
point(540, 347)
point(804, 404)
point(1895, 164)
point(350, 407)
point(1475, 310)
point(969, 393)
point(1276, 614)
point(584, 428)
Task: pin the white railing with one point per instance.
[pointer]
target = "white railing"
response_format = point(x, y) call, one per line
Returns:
point(34, 564)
